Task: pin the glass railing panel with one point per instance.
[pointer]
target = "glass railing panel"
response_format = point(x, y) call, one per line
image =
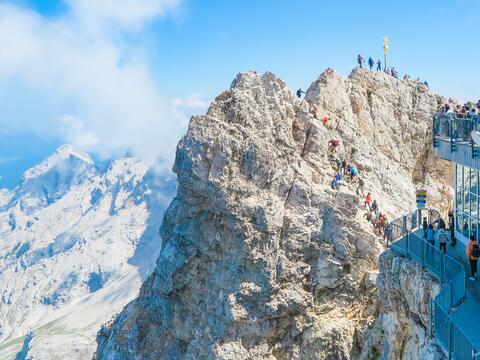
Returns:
point(462, 347)
point(442, 325)
point(458, 129)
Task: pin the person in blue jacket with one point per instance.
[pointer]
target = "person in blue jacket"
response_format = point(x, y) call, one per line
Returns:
point(370, 63)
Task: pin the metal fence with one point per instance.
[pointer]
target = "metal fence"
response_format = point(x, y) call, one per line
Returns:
point(449, 336)
point(445, 268)
point(458, 129)
point(411, 222)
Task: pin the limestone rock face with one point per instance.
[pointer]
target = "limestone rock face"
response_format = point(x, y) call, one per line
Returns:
point(261, 259)
point(401, 330)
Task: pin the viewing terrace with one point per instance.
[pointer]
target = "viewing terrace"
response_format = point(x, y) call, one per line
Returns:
point(454, 313)
point(452, 139)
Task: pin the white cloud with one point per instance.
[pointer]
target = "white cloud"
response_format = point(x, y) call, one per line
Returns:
point(103, 88)
point(194, 101)
point(8, 159)
point(127, 14)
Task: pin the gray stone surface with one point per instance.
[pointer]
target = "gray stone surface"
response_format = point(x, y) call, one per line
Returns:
point(261, 259)
point(402, 327)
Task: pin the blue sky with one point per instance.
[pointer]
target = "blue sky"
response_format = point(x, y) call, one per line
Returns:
point(108, 76)
point(297, 40)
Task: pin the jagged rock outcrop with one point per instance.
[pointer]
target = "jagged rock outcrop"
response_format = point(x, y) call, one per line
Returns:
point(261, 259)
point(401, 330)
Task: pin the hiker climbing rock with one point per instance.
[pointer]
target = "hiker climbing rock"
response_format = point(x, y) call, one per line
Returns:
point(368, 199)
point(370, 63)
point(381, 223)
point(353, 172)
point(473, 254)
point(325, 120)
point(387, 231)
point(394, 73)
point(374, 207)
point(333, 144)
point(360, 60)
point(360, 187)
point(335, 184)
point(344, 166)
point(300, 92)
point(368, 216)
point(338, 176)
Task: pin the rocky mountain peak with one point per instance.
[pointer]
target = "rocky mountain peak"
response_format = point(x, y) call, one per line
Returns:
point(63, 158)
point(261, 258)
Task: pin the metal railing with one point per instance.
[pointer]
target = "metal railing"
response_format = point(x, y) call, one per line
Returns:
point(411, 222)
point(449, 271)
point(459, 129)
point(449, 336)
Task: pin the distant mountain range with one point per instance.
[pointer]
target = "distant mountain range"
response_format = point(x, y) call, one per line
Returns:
point(76, 240)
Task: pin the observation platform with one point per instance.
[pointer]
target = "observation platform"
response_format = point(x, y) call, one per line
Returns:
point(452, 139)
point(455, 312)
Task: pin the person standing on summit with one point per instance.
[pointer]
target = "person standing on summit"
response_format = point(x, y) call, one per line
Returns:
point(379, 65)
point(360, 60)
point(300, 92)
point(473, 253)
point(370, 63)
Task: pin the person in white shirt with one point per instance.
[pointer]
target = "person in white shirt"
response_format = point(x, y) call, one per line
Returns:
point(442, 238)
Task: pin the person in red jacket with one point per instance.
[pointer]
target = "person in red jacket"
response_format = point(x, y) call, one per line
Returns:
point(368, 200)
point(473, 254)
point(334, 143)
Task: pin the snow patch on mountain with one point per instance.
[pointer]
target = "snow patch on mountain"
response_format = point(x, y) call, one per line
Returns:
point(76, 241)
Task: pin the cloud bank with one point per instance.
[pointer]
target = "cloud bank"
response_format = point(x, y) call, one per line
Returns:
point(91, 81)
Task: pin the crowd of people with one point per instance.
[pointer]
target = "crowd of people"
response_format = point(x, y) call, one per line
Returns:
point(347, 172)
point(438, 236)
point(388, 70)
point(374, 215)
point(464, 111)
point(377, 64)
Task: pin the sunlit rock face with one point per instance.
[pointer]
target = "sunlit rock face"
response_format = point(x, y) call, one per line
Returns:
point(261, 259)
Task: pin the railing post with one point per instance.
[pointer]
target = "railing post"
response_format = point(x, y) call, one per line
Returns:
point(450, 338)
point(407, 245)
point(442, 268)
point(450, 290)
point(432, 318)
point(419, 220)
point(423, 253)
